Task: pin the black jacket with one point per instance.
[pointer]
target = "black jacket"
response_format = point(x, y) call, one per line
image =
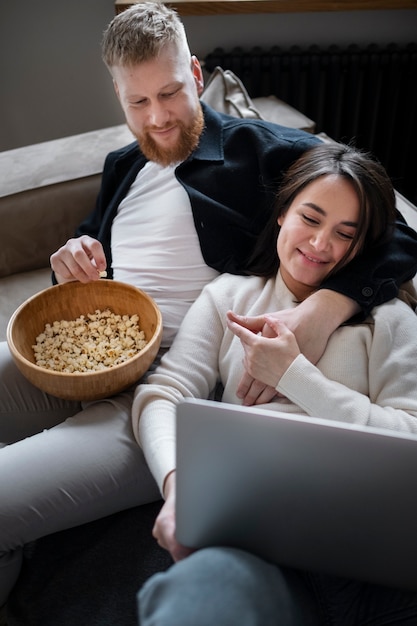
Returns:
point(231, 179)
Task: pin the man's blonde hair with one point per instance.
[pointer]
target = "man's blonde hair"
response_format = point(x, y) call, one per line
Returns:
point(140, 32)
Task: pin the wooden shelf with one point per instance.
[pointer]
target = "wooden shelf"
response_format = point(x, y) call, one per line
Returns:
point(235, 7)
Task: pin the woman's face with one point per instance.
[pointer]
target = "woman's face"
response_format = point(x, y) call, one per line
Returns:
point(316, 232)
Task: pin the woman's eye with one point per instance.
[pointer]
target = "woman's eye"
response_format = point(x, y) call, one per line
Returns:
point(347, 236)
point(310, 220)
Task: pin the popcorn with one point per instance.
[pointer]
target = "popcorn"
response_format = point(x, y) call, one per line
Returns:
point(90, 343)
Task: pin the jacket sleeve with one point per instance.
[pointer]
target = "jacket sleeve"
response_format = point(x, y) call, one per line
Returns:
point(375, 277)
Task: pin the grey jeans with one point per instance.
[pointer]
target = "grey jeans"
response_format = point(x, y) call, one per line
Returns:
point(64, 464)
point(229, 587)
point(226, 587)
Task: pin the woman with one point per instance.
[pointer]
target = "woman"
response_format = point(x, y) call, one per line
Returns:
point(334, 202)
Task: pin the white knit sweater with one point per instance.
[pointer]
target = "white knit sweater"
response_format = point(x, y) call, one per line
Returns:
point(366, 376)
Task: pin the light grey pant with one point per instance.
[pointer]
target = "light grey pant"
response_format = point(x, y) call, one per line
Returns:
point(226, 587)
point(64, 464)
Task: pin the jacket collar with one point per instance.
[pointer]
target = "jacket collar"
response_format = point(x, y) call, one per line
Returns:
point(210, 147)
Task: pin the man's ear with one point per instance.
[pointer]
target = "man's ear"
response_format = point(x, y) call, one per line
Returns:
point(116, 88)
point(198, 74)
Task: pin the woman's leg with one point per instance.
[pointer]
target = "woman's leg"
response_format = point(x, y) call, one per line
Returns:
point(226, 586)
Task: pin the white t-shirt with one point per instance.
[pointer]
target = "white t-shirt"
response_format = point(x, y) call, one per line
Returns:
point(155, 245)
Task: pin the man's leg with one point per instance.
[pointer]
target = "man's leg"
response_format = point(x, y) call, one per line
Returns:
point(24, 409)
point(83, 468)
point(225, 587)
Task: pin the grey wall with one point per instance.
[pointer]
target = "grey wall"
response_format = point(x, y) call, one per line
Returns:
point(53, 82)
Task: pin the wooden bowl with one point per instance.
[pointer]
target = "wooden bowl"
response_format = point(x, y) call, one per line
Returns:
point(67, 302)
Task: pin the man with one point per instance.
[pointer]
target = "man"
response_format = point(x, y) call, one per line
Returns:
point(177, 207)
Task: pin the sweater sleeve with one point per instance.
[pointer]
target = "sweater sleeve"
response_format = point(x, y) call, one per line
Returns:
point(391, 401)
point(189, 369)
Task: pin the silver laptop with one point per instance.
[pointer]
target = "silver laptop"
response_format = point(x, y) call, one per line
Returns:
point(302, 492)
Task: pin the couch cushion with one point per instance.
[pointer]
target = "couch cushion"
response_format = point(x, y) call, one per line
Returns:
point(407, 209)
point(225, 93)
point(16, 289)
point(36, 222)
point(275, 110)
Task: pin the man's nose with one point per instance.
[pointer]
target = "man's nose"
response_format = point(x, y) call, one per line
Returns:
point(157, 115)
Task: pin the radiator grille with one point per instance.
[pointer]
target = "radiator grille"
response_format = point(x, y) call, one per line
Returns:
point(365, 94)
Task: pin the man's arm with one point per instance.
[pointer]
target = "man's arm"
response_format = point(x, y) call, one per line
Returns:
point(370, 279)
point(377, 275)
point(81, 259)
point(312, 322)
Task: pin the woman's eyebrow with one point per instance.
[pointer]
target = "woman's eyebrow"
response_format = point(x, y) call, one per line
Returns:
point(315, 207)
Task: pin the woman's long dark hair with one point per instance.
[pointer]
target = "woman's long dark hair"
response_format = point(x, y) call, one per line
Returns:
point(370, 181)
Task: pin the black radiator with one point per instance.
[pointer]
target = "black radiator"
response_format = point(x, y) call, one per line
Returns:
point(367, 95)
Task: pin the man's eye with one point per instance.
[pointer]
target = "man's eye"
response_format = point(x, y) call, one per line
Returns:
point(170, 94)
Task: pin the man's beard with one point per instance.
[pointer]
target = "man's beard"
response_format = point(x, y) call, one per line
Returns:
point(188, 141)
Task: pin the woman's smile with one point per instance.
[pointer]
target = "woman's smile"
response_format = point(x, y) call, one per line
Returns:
point(313, 259)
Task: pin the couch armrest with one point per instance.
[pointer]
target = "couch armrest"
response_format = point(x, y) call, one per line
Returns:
point(46, 190)
point(37, 222)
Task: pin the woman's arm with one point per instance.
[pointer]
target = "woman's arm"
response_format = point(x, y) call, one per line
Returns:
point(165, 524)
point(188, 369)
point(386, 396)
point(313, 321)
